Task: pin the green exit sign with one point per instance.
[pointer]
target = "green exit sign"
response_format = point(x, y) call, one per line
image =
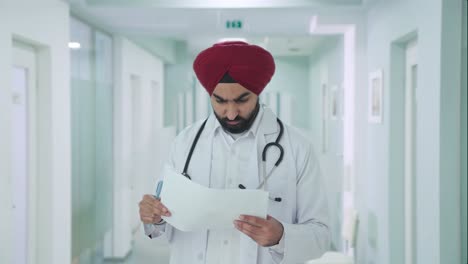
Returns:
point(236, 24)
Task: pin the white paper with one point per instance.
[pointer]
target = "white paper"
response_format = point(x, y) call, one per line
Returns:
point(195, 207)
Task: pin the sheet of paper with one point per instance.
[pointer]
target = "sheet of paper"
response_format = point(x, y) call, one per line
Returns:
point(195, 207)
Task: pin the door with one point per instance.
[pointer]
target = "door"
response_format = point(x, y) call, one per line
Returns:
point(137, 146)
point(410, 150)
point(23, 134)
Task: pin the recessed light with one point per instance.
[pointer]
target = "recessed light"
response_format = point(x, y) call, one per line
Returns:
point(232, 39)
point(74, 45)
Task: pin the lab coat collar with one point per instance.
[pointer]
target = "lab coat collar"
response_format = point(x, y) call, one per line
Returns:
point(268, 122)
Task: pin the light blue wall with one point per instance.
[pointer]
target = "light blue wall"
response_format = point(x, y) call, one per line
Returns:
point(326, 66)
point(389, 22)
point(450, 79)
point(165, 49)
point(463, 135)
point(178, 78)
point(291, 76)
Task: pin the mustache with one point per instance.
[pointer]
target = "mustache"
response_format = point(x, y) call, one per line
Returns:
point(238, 118)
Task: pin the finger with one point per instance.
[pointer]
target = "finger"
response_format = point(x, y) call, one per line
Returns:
point(150, 203)
point(253, 220)
point(156, 205)
point(152, 206)
point(246, 231)
point(152, 200)
point(157, 211)
point(251, 229)
point(163, 210)
point(147, 220)
point(148, 197)
point(150, 210)
point(149, 214)
point(259, 239)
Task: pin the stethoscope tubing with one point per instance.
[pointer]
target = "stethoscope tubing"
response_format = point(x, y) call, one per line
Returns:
point(264, 153)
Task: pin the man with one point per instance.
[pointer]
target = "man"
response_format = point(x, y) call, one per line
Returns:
point(228, 154)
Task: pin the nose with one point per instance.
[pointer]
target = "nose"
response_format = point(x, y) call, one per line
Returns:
point(232, 112)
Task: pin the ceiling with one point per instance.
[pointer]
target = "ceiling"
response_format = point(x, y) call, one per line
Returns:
point(281, 26)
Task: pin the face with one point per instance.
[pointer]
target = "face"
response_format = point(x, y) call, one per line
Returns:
point(234, 106)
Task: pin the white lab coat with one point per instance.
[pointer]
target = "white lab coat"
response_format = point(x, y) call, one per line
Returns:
point(297, 180)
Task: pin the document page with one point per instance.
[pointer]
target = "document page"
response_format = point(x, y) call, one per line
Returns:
point(195, 207)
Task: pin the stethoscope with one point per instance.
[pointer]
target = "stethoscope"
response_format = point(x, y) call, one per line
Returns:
point(264, 152)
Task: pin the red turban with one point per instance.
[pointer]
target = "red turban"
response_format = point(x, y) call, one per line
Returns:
point(250, 65)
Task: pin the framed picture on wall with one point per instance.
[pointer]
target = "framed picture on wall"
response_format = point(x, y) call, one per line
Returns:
point(375, 97)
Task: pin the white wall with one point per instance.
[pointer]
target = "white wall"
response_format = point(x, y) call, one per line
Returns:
point(132, 60)
point(327, 67)
point(46, 27)
point(437, 237)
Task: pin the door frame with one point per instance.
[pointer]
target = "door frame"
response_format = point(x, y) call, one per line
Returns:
point(396, 167)
point(22, 58)
point(410, 152)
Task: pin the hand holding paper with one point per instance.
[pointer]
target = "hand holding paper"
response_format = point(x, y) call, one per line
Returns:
point(196, 207)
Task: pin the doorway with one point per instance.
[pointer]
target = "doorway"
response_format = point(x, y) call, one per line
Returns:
point(23, 151)
point(137, 146)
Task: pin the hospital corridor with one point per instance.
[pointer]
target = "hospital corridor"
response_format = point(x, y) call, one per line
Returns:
point(344, 120)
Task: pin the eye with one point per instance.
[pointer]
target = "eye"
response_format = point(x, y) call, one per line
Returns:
point(220, 101)
point(241, 101)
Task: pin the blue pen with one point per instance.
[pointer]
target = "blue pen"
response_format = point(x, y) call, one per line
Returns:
point(158, 189)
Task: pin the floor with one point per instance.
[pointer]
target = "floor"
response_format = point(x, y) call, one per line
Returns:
point(145, 251)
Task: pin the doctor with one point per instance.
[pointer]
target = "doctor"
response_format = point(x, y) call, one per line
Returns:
point(226, 151)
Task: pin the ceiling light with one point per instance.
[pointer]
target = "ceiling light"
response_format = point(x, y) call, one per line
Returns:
point(313, 24)
point(232, 39)
point(74, 45)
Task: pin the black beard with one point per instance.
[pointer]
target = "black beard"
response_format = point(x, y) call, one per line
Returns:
point(243, 125)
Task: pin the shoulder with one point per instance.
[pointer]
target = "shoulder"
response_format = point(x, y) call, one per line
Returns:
point(296, 137)
point(189, 132)
point(302, 149)
point(302, 146)
point(182, 142)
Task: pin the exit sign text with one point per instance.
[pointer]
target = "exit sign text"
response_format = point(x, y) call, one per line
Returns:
point(236, 24)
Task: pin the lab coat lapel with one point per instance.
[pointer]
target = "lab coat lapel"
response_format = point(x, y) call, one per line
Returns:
point(200, 170)
point(248, 247)
point(266, 134)
point(200, 165)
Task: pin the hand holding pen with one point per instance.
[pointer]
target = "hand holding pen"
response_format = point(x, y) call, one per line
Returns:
point(151, 208)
